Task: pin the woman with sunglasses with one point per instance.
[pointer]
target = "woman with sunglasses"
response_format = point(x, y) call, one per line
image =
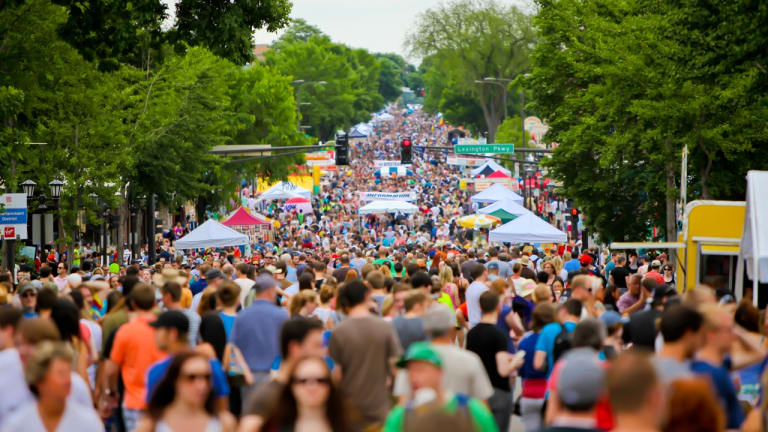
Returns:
point(669, 275)
point(310, 402)
point(184, 400)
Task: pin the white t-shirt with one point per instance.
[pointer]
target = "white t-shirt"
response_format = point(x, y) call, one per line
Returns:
point(474, 291)
point(245, 287)
point(12, 377)
point(463, 373)
point(76, 418)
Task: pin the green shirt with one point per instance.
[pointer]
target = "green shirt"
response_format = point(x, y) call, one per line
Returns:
point(481, 417)
point(383, 261)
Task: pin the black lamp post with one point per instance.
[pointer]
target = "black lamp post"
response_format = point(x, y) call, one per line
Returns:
point(55, 186)
point(528, 181)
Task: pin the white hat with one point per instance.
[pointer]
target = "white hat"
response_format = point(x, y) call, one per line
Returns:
point(74, 280)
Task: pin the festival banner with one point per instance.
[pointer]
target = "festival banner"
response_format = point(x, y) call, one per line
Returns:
point(388, 163)
point(387, 196)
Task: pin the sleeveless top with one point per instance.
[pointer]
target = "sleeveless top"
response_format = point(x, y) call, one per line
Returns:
point(212, 426)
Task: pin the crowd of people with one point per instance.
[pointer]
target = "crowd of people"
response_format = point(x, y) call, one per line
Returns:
point(387, 322)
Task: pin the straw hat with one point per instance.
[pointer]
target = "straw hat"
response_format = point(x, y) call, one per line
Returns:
point(168, 275)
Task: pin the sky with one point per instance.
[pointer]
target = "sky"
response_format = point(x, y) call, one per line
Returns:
point(377, 25)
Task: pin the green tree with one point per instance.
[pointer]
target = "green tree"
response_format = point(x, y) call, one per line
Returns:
point(626, 85)
point(476, 39)
point(510, 131)
point(351, 77)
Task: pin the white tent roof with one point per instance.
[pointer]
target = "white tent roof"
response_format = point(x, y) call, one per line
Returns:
point(496, 192)
point(527, 228)
point(754, 240)
point(381, 206)
point(494, 166)
point(285, 190)
point(211, 234)
point(508, 205)
point(386, 116)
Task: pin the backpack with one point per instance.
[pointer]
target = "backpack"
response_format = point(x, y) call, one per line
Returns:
point(562, 344)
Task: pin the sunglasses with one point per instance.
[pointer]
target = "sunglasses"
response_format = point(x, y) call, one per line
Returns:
point(194, 377)
point(29, 294)
point(310, 380)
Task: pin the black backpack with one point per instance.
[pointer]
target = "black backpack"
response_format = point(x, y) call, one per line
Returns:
point(562, 343)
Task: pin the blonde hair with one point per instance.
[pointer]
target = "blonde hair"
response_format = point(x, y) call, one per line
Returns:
point(387, 304)
point(446, 275)
point(300, 300)
point(499, 286)
point(558, 263)
point(5, 287)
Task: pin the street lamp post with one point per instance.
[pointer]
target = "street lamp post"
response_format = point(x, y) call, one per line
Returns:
point(55, 186)
point(299, 85)
point(529, 180)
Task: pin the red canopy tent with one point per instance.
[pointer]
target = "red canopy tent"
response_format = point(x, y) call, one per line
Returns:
point(498, 174)
point(241, 217)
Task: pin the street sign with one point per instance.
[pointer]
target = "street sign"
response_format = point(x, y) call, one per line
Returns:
point(13, 218)
point(483, 148)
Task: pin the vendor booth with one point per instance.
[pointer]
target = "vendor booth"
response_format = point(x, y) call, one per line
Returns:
point(505, 209)
point(211, 234)
point(496, 192)
point(381, 207)
point(527, 228)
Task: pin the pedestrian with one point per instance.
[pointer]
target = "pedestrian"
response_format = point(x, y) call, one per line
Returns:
point(462, 369)
point(256, 332)
point(184, 399)
point(534, 381)
point(410, 325)
point(171, 298)
point(48, 373)
point(680, 327)
point(134, 351)
point(490, 344)
point(309, 401)
point(426, 376)
point(636, 393)
point(554, 337)
point(362, 347)
point(479, 276)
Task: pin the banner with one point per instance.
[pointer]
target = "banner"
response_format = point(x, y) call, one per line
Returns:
point(464, 161)
point(387, 196)
point(13, 216)
point(388, 163)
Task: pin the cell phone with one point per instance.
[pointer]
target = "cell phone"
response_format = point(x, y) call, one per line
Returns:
point(520, 355)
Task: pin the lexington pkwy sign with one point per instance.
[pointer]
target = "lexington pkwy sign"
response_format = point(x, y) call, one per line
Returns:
point(483, 148)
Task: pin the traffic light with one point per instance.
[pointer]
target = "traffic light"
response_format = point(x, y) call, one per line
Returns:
point(342, 148)
point(406, 151)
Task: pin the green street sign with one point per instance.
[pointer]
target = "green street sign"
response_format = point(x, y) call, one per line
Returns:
point(483, 148)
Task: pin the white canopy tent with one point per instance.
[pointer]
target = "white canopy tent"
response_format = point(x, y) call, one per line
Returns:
point(527, 228)
point(496, 192)
point(285, 190)
point(211, 234)
point(386, 117)
point(382, 206)
point(492, 165)
point(754, 240)
point(507, 205)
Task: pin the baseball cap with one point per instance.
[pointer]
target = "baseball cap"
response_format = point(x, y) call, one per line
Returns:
point(610, 318)
point(264, 282)
point(114, 268)
point(213, 274)
point(492, 265)
point(582, 379)
point(420, 351)
point(172, 319)
point(439, 319)
point(655, 263)
point(585, 259)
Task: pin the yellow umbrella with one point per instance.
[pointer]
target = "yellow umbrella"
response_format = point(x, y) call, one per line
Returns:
point(478, 221)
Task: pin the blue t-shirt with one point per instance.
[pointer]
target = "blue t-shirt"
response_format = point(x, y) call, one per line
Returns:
point(290, 274)
point(229, 321)
point(528, 344)
point(501, 324)
point(721, 379)
point(546, 342)
point(572, 265)
point(156, 373)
